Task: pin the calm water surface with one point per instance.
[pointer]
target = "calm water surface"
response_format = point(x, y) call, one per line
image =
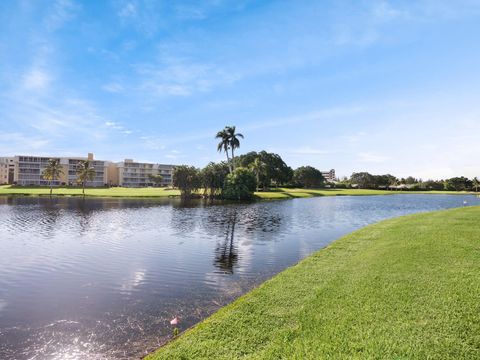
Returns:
point(101, 278)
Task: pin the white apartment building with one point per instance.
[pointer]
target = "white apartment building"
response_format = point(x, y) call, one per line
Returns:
point(27, 170)
point(329, 175)
point(137, 174)
point(7, 170)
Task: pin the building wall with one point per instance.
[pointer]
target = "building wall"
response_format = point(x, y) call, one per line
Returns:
point(7, 169)
point(112, 174)
point(135, 174)
point(329, 175)
point(27, 170)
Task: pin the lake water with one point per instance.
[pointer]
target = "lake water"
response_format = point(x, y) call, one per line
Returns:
point(102, 278)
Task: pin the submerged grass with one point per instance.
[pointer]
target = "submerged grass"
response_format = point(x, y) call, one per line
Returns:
point(407, 288)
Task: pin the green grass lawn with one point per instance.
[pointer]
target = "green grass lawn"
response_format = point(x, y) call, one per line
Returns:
point(284, 193)
point(407, 288)
point(272, 194)
point(100, 192)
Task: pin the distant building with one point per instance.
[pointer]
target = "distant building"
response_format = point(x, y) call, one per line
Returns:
point(7, 169)
point(27, 170)
point(135, 174)
point(329, 175)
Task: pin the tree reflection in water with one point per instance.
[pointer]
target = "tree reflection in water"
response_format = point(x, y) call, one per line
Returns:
point(226, 254)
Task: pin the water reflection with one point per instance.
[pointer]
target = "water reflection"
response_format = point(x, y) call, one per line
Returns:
point(101, 278)
point(226, 251)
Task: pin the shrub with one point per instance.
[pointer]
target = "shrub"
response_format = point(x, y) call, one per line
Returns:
point(187, 179)
point(240, 185)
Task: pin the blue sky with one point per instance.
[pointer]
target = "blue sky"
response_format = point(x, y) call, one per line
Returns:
point(381, 86)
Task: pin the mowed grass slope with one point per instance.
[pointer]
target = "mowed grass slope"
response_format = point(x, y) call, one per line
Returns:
point(100, 192)
point(272, 194)
point(285, 193)
point(407, 288)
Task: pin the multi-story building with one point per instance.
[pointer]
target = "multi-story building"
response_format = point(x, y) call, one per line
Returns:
point(100, 166)
point(329, 175)
point(7, 170)
point(28, 170)
point(136, 174)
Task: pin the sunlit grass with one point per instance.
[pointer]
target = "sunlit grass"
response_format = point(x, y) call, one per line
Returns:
point(99, 192)
point(271, 194)
point(407, 288)
point(286, 193)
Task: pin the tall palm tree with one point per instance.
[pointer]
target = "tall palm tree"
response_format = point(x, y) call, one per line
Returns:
point(52, 172)
point(224, 145)
point(234, 141)
point(476, 184)
point(258, 167)
point(85, 172)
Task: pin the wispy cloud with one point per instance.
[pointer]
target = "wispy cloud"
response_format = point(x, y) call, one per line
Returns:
point(36, 79)
point(113, 87)
point(60, 12)
point(179, 77)
point(370, 157)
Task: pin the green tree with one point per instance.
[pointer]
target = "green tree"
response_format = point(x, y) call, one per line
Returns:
point(213, 178)
point(234, 140)
point(458, 184)
point(276, 171)
point(224, 145)
point(85, 172)
point(187, 179)
point(52, 172)
point(156, 179)
point(240, 185)
point(363, 180)
point(308, 177)
point(259, 168)
point(475, 184)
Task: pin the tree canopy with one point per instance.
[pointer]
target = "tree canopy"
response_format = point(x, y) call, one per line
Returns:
point(308, 177)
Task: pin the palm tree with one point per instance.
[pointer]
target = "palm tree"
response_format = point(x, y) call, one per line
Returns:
point(233, 139)
point(476, 184)
point(85, 172)
point(258, 167)
point(224, 145)
point(52, 172)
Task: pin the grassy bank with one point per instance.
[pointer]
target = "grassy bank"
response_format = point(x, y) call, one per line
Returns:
point(272, 194)
point(98, 192)
point(407, 288)
point(284, 193)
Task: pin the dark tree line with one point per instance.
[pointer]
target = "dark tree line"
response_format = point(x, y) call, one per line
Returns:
point(365, 180)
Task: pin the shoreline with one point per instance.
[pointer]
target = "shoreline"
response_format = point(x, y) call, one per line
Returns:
point(162, 193)
point(354, 284)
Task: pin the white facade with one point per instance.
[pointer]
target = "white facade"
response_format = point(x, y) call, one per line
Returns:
point(7, 170)
point(329, 175)
point(29, 170)
point(136, 174)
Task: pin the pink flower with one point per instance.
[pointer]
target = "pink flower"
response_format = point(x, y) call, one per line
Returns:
point(174, 321)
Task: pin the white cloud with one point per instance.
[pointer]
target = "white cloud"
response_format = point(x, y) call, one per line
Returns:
point(113, 87)
point(60, 13)
point(180, 77)
point(372, 157)
point(36, 79)
point(129, 10)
